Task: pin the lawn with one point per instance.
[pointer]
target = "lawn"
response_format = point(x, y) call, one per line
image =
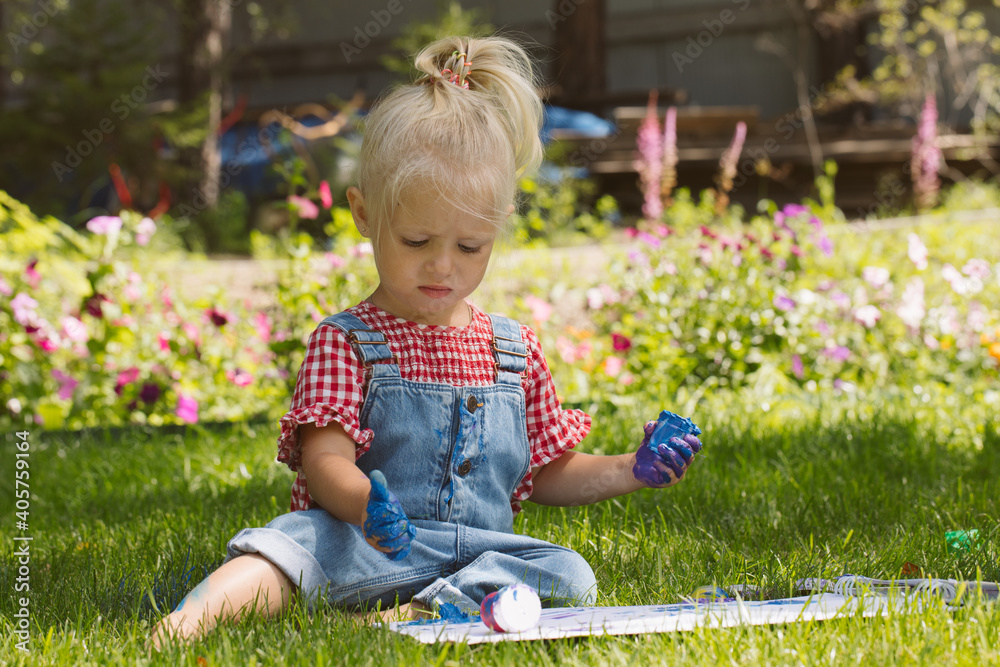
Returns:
point(125, 522)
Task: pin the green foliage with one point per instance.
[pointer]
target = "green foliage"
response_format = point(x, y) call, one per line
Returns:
point(562, 210)
point(452, 19)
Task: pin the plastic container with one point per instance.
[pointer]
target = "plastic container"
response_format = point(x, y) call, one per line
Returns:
point(669, 426)
point(515, 608)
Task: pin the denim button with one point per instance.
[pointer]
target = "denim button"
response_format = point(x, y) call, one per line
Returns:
point(473, 404)
point(464, 469)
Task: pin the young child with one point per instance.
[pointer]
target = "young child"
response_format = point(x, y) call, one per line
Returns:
point(419, 423)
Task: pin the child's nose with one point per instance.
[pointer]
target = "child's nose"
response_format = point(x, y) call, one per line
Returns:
point(440, 263)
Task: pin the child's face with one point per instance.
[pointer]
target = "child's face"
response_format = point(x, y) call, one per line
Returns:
point(430, 257)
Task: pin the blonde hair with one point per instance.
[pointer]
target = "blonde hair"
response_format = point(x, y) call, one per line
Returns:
point(469, 145)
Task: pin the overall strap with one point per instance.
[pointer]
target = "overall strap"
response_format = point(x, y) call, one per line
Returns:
point(369, 346)
point(509, 349)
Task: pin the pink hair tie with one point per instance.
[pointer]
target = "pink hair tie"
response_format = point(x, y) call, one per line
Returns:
point(462, 67)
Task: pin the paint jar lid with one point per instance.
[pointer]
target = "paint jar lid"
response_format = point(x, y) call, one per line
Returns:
point(518, 608)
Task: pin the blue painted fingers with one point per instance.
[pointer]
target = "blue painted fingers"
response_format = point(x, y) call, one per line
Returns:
point(668, 448)
point(386, 525)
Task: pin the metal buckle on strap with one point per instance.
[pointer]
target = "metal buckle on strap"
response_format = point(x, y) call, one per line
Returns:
point(368, 364)
point(516, 354)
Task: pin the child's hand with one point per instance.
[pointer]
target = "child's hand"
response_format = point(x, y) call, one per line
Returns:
point(666, 464)
point(385, 524)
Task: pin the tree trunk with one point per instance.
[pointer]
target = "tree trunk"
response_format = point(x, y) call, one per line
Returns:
point(579, 70)
point(205, 28)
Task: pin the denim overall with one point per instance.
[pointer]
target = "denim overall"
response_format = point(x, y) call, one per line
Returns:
point(453, 456)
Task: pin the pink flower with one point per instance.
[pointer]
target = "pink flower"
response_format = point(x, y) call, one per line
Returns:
point(613, 366)
point(262, 323)
point(335, 260)
point(669, 175)
point(239, 377)
point(5, 288)
point(74, 330)
point(105, 225)
point(144, 231)
point(361, 249)
point(24, 309)
point(841, 300)
point(541, 310)
point(837, 352)
point(824, 244)
point(911, 309)
point(927, 157)
point(187, 409)
point(822, 328)
point(797, 369)
point(126, 377)
point(164, 341)
point(730, 159)
point(67, 384)
point(325, 197)
point(33, 276)
point(917, 251)
point(304, 207)
point(977, 268)
point(876, 276)
point(867, 315)
point(794, 210)
point(620, 343)
point(649, 165)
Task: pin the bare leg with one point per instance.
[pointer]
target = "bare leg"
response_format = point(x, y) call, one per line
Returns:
point(248, 583)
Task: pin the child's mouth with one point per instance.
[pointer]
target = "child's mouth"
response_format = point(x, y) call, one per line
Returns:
point(435, 292)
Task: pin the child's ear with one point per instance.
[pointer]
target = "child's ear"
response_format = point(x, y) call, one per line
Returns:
point(358, 211)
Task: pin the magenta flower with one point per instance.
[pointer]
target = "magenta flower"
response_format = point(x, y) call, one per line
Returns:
point(144, 231)
point(783, 302)
point(917, 251)
point(620, 343)
point(325, 196)
point(305, 208)
point(126, 377)
point(649, 164)
point(187, 409)
point(794, 210)
point(105, 225)
point(67, 384)
point(164, 341)
point(93, 305)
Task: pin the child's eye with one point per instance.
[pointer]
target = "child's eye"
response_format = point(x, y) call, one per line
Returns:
point(413, 244)
point(469, 250)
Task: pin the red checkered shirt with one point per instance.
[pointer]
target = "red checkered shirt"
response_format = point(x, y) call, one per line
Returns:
point(330, 387)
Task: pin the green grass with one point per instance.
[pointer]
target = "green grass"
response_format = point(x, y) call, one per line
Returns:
point(125, 523)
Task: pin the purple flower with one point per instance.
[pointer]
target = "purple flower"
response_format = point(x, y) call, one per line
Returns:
point(824, 244)
point(150, 392)
point(187, 409)
point(105, 225)
point(793, 210)
point(797, 367)
point(783, 302)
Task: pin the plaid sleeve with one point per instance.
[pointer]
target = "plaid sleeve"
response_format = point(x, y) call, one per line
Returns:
point(551, 430)
point(329, 388)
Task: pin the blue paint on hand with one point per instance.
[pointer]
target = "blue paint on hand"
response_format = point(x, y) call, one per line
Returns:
point(667, 450)
point(386, 522)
